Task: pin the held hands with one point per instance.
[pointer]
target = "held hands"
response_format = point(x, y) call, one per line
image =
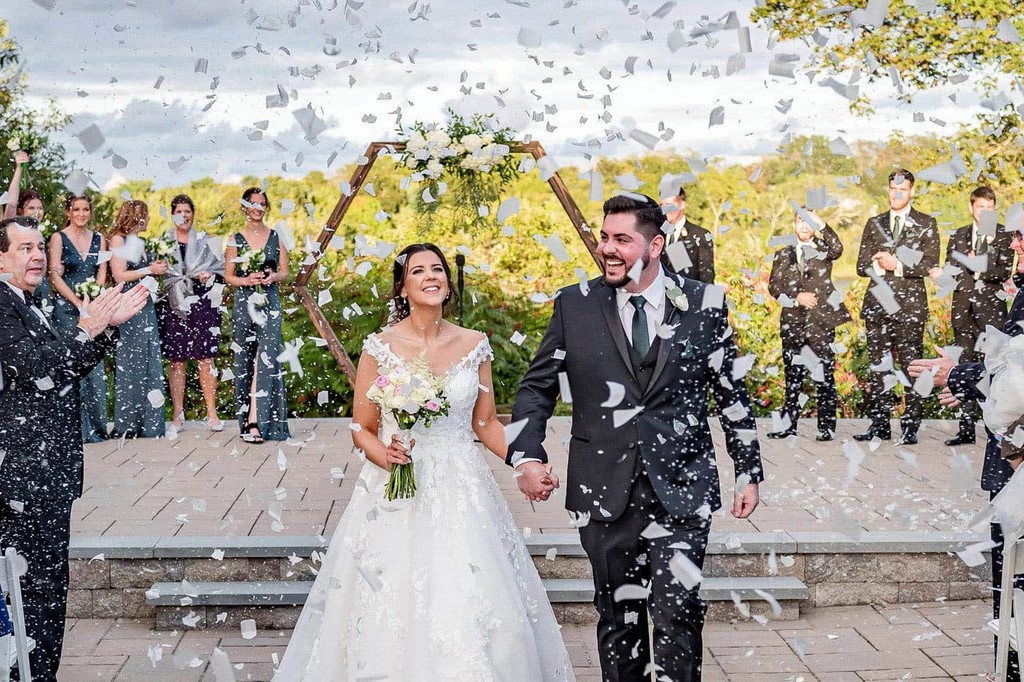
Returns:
point(204, 277)
point(940, 365)
point(256, 279)
point(158, 267)
point(20, 157)
point(807, 299)
point(886, 260)
point(743, 505)
point(536, 481)
point(397, 453)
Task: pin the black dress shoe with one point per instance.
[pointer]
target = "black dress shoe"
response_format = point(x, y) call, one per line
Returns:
point(781, 434)
point(961, 439)
point(909, 438)
point(824, 436)
point(872, 433)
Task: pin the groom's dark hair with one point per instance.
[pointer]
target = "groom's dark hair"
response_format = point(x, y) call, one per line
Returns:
point(648, 213)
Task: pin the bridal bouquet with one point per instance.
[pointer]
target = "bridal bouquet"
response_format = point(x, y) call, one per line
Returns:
point(160, 248)
point(89, 288)
point(411, 395)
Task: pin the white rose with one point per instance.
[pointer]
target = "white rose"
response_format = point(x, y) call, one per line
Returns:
point(434, 168)
point(411, 162)
point(472, 142)
point(488, 139)
point(415, 143)
point(14, 144)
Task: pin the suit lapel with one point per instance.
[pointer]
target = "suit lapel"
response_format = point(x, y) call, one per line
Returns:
point(611, 317)
point(32, 322)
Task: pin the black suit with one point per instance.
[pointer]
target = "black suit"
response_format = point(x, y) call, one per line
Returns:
point(700, 247)
point(812, 327)
point(900, 332)
point(658, 465)
point(41, 471)
point(976, 304)
point(963, 383)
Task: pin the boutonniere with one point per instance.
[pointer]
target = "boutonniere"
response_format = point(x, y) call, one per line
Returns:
point(678, 298)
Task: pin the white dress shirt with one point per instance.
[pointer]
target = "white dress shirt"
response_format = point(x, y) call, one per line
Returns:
point(21, 295)
point(654, 306)
point(678, 231)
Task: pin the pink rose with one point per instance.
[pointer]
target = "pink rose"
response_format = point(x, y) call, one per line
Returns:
point(381, 381)
point(433, 405)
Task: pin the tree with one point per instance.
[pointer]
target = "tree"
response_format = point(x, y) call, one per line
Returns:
point(924, 49)
point(22, 127)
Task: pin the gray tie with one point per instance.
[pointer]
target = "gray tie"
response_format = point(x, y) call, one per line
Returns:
point(641, 342)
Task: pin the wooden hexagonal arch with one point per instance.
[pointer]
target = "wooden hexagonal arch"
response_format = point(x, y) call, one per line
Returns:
point(301, 285)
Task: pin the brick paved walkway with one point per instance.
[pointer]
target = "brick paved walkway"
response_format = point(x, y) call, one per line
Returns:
point(841, 644)
point(204, 483)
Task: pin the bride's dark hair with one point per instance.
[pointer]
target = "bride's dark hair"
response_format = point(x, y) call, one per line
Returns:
point(400, 306)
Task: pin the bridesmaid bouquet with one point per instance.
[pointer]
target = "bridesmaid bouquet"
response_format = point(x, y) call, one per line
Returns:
point(89, 288)
point(411, 395)
point(252, 261)
point(160, 248)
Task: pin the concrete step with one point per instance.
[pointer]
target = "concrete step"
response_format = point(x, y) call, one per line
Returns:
point(277, 604)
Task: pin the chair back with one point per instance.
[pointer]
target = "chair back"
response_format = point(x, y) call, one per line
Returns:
point(10, 579)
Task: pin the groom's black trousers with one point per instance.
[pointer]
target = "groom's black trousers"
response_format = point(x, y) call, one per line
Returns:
point(620, 556)
point(41, 533)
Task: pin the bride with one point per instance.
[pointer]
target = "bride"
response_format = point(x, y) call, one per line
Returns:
point(439, 586)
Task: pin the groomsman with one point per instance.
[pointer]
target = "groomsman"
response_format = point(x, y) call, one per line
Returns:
point(801, 279)
point(976, 303)
point(40, 436)
point(699, 263)
point(897, 251)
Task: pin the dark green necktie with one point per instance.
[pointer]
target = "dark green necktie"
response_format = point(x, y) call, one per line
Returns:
point(641, 342)
point(896, 228)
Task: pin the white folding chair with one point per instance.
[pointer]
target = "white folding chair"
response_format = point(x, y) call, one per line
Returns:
point(10, 579)
point(1009, 627)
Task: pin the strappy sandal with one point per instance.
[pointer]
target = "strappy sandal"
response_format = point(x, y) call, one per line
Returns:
point(250, 437)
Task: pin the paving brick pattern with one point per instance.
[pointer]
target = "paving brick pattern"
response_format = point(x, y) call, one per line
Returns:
point(840, 644)
point(204, 483)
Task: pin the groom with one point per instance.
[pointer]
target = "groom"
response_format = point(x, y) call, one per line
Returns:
point(640, 348)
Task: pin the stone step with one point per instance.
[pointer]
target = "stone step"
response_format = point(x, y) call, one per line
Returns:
point(277, 603)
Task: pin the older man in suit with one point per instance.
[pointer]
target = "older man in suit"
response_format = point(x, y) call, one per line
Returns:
point(641, 459)
point(689, 248)
point(801, 279)
point(40, 436)
point(897, 251)
point(982, 254)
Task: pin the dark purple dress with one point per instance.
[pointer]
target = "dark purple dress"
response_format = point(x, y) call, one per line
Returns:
point(196, 336)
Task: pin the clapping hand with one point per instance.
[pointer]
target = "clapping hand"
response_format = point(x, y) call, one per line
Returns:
point(536, 481)
point(129, 305)
point(947, 399)
point(939, 366)
point(807, 299)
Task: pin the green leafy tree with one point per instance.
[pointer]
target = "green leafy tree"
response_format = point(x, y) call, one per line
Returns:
point(925, 49)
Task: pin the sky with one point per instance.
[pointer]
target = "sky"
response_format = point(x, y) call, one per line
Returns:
point(182, 89)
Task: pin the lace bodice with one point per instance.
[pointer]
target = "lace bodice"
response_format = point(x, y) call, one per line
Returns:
point(461, 387)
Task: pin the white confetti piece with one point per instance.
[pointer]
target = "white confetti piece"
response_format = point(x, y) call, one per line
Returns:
point(685, 571)
point(616, 392)
point(621, 417)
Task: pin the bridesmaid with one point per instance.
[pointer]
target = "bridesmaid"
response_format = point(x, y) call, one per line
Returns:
point(139, 377)
point(256, 317)
point(193, 334)
point(74, 258)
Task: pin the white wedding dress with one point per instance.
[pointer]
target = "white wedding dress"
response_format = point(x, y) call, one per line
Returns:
point(439, 587)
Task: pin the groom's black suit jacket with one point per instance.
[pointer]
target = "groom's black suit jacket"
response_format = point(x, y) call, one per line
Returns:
point(676, 451)
point(40, 432)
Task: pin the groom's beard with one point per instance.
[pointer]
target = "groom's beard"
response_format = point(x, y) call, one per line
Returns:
point(624, 280)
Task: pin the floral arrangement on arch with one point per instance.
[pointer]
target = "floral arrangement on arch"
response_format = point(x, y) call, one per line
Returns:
point(473, 155)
